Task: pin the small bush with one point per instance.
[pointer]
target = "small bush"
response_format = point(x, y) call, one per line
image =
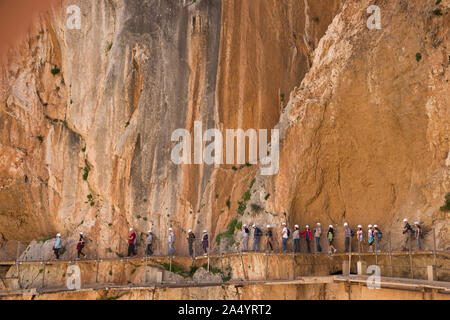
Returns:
point(55, 70)
point(192, 271)
point(232, 226)
point(437, 12)
point(86, 173)
point(418, 56)
point(256, 207)
point(267, 196)
point(108, 46)
point(43, 240)
point(241, 207)
point(446, 206)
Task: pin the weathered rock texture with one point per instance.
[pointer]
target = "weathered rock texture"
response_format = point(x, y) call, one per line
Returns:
point(365, 137)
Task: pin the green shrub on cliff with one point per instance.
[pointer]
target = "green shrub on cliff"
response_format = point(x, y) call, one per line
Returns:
point(446, 206)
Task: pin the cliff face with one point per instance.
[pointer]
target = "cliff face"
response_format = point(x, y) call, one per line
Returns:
point(87, 115)
point(366, 136)
point(88, 147)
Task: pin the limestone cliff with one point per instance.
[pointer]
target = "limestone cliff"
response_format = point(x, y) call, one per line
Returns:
point(86, 117)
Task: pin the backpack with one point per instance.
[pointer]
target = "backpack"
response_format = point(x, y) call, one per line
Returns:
point(288, 232)
point(352, 233)
point(379, 234)
point(258, 232)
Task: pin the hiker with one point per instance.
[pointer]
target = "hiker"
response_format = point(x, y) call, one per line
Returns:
point(132, 243)
point(330, 236)
point(296, 239)
point(80, 245)
point(245, 237)
point(370, 237)
point(269, 238)
point(285, 236)
point(378, 236)
point(257, 233)
point(205, 243)
point(348, 237)
point(149, 250)
point(360, 238)
point(418, 234)
point(171, 240)
point(407, 232)
point(308, 237)
point(191, 240)
point(57, 246)
point(317, 235)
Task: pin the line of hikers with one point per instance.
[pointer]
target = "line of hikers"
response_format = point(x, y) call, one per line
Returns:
point(374, 237)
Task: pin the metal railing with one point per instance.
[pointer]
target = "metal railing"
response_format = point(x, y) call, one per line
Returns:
point(408, 268)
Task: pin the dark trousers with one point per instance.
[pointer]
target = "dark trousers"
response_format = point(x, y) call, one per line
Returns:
point(318, 247)
point(80, 253)
point(205, 246)
point(269, 244)
point(56, 250)
point(296, 245)
point(191, 249)
point(347, 244)
point(149, 250)
point(308, 244)
point(131, 249)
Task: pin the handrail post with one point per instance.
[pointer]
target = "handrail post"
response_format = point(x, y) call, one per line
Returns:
point(390, 255)
point(410, 257)
point(434, 254)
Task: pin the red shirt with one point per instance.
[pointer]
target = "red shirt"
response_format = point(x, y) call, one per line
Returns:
point(132, 237)
point(307, 233)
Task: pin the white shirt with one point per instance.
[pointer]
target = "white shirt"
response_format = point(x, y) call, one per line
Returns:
point(171, 237)
point(285, 232)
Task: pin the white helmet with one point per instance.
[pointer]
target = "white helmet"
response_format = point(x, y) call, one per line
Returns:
point(359, 226)
point(268, 226)
point(58, 234)
point(345, 224)
point(149, 231)
point(416, 222)
point(296, 226)
point(244, 225)
point(254, 226)
point(369, 226)
point(375, 226)
point(405, 220)
point(81, 233)
point(318, 223)
point(307, 226)
point(283, 224)
point(131, 229)
point(189, 231)
point(331, 226)
point(204, 231)
point(170, 229)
